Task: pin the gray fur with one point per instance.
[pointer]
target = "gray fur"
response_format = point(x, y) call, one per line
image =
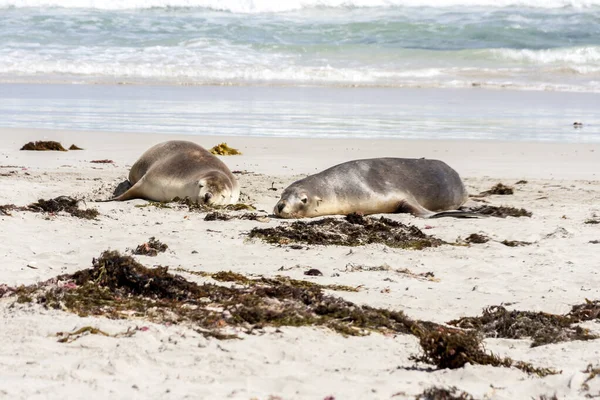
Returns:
point(181, 169)
point(379, 185)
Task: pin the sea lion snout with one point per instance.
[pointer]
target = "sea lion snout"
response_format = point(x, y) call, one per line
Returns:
point(279, 207)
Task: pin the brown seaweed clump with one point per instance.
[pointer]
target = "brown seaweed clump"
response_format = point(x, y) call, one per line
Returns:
point(542, 328)
point(501, 212)
point(151, 248)
point(75, 147)
point(592, 221)
point(499, 189)
point(438, 393)
point(453, 348)
point(515, 243)
point(44, 145)
point(477, 238)
point(353, 230)
point(63, 203)
point(224, 150)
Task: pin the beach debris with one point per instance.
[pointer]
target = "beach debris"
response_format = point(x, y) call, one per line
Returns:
point(223, 149)
point(427, 276)
point(68, 337)
point(5, 209)
point(273, 187)
point(219, 216)
point(542, 328)
point(75, 147)
point(593, 372)
point(477, 238)
point(353, 230)
point(515, 243)
point(53, 206)
point(594, 241)
point(151, 248)
point(559, 233)
point(577, 125)
point(450, 348)
point(44, 145)
point(439, 393)
point(498, 189)
point(228, 276)
point(117, 286)
point(105, 161)
point(313, 272)
point(592, 221)
point(521, 182)
point(501, 212)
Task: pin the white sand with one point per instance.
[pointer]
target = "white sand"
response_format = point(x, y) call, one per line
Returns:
point(559, 270)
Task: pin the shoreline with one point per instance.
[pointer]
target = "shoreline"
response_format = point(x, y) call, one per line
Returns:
point(353, 113)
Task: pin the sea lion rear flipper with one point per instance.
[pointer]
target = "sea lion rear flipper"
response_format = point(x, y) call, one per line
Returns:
point(457, 214)
point(411, 206)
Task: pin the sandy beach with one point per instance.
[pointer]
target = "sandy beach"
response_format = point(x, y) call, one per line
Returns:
point(556, 270)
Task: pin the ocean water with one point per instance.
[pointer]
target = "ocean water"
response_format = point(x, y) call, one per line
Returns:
point(452, 69)
point(518, 44)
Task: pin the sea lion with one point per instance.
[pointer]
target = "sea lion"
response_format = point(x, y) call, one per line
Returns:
point(379, 185)
point(179, 168)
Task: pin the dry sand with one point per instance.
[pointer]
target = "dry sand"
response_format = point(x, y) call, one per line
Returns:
point(560, 269)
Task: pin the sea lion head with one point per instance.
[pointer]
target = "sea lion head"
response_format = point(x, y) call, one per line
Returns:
point(214, 191)
point(297, 202)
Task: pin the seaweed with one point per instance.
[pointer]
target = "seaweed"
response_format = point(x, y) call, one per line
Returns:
point(501, 212)
point(453, 348)
point(438, 393)
point(219, 216)
point(592, 221)
point(75, 147)
point(105, 161)
point(117, 286)
point(353, 230)
point(68, 337)
point(5, 209)
point(62, 203)
point(593, 372)
point(201, 207)
point(223, 149)
point(542, 328)
point(477, 238)
point(521, 182)
point(498, 189)
point(515, 243)
point(313, 272)
point(428, 276)
point(588, 311)
point(151, 248)
point(228, 276)
point(44, 145)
